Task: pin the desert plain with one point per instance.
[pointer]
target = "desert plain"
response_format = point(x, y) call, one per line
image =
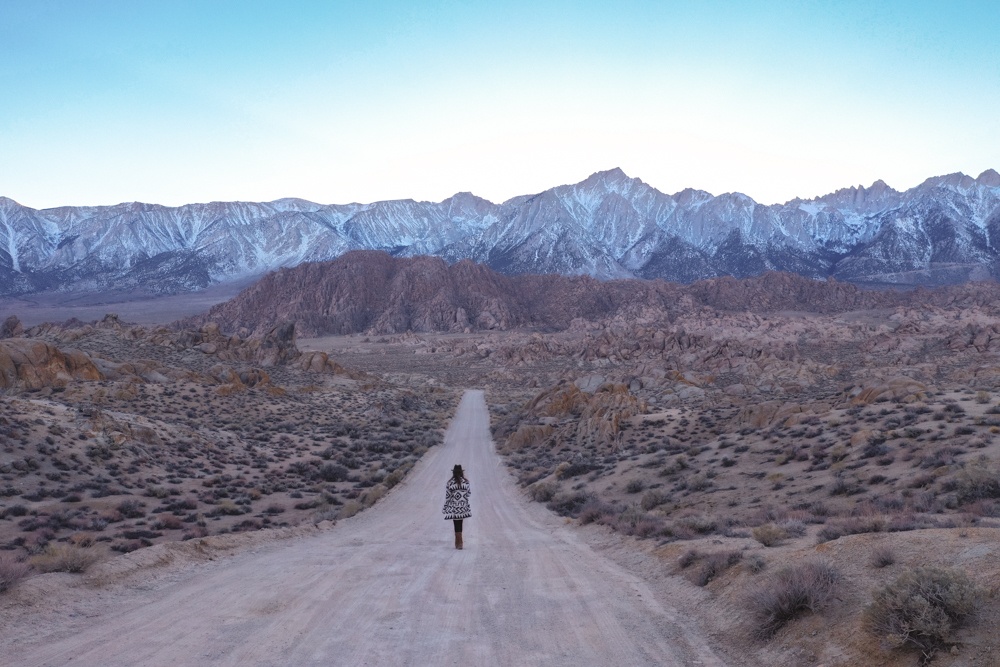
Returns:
point(738, 480)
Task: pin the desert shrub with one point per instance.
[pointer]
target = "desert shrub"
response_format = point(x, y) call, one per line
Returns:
point(627, 519)
point(695, 524)
point(977, 481)
point(132, 509)
point(11, 572)
point(331, 472)
point(688, 558)
point(756, 563)
point(228, 508)
point(349, 509)
point(593, 510)
point(982, 397)
point(396, 476)
point(788, 593)
point(373, 495)
point(181, 505)
point(653, 499)
point(769, 534)
point(14, 510)
point(635, 486)
point(883, 556)
point(698, 482)
point(308, 504)
point(845, 487)
point(326, 513)
point(569, 504)
point(922, 608)
point(542, 492)
point(574, 470)
point(64, 558)
point(168, 522)
point(793, 527)
point(714, 564)
point(851, 526)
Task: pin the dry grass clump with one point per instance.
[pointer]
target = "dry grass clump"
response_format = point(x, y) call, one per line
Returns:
point(64, 558)
point(710, 565)
point(11, 572)
point(922, 608)
point(790, 592)
point(769, 534)
point(883, 556)
point(542, 492)
point(349, 509)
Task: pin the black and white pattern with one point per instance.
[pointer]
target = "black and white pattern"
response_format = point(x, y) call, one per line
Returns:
point(456, 500)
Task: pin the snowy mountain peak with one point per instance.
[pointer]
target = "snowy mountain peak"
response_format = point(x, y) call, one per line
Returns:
point(608, 225)
point(990, 178)
point(956, 181)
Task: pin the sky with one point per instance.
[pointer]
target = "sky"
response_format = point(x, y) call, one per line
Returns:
point(179, 102)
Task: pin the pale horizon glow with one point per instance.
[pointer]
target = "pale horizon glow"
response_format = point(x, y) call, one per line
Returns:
point(109, 101)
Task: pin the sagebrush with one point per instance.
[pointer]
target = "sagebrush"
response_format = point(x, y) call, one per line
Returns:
point(790, 592)
point(922, 608)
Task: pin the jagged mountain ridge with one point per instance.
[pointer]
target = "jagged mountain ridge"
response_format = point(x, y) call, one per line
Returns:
point(945, 230)
point(374, 292)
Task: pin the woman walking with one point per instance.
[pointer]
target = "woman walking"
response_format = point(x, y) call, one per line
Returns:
point(456, 501)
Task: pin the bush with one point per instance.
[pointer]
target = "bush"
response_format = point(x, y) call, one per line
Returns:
point(330, 472)
point(64, 558)
point(569, 504)
point(790, 592)
point(653, 499)
point(688, 558)
point(769, 534)
point(11, 572)
point(568, 471)
point(634, 486)
point(714, 564)
point(756, 563)
point(349, 509)
point(542, 492)
point(132, 509)
point(593, 510)
point(373, 495)
point(978, 481)
point(883, 556)
point(922, 608)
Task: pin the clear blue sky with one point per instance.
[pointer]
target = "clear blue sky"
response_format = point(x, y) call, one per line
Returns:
point(176, 102)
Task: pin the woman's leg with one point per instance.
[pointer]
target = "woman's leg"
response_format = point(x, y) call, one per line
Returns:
point(458, 533)
point(458, 525)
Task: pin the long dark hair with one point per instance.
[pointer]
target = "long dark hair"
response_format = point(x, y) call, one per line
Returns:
point(457, 474)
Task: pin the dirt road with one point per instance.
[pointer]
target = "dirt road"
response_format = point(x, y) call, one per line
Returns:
point(387, 588)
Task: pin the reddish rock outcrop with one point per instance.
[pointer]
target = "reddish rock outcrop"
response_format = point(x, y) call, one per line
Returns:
point(32, 364)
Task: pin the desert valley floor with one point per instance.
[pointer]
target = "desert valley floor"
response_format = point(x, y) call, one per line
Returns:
point(646, 487)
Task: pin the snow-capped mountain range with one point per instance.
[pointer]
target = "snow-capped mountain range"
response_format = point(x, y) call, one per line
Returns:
point(945, 230)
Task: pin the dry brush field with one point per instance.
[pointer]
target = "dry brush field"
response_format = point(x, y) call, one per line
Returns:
point(827, 485)
point(139, 436)
point(824, 488)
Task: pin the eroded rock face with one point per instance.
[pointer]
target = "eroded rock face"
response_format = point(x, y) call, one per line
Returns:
point(898, 389)
point(373, 292)
point(40, 359)
point(11, 327)
point(32, 364)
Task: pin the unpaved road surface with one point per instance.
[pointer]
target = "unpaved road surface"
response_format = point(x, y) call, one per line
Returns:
point(387, 587)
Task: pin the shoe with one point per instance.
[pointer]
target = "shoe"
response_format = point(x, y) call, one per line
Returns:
point(458, 540)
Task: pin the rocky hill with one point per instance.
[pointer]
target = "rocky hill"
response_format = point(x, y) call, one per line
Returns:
point(945, 230)
point(366, 291)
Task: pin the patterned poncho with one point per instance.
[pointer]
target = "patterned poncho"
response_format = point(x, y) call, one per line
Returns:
point(456, 500)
